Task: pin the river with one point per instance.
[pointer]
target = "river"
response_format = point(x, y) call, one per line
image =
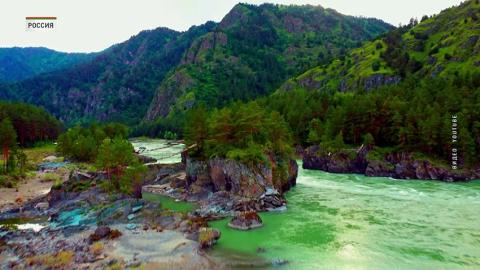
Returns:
point(346, 221)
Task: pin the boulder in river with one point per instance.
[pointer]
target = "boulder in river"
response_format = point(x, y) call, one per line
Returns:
point(245, 221)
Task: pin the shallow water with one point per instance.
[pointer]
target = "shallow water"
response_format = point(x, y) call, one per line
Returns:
point(169, 203)
point(343, 221)
point(166, 152)
point(35, 224)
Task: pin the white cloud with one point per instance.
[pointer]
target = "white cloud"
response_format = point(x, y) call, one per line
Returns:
point(93, 25)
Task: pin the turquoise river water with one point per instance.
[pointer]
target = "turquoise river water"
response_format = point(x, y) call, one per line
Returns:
point(343, 221)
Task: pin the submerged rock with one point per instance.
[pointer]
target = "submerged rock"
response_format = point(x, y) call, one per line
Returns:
point(245, 221)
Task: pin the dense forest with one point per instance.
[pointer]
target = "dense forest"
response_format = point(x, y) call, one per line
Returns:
point(31, 123)
point(411, 116)
point(23, 125)
point(398, 92)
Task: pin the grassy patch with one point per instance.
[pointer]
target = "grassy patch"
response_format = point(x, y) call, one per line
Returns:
point(61, 260)
point(36, 155)
point(50, 177)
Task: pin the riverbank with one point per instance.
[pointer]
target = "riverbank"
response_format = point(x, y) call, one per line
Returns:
point(84, 225)
point(372, 161)
point(37, 180)
point(78, 223)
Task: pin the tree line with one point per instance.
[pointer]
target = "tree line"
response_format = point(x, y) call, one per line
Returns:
point(415, 115)
point(106, 146)
point(242, 131)
point(23, 125)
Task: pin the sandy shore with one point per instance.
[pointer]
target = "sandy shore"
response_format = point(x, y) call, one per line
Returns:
point(27, 190)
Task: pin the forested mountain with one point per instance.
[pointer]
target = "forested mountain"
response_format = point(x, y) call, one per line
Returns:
point(248, 54)
point(117, 85)
point(254, 49)
point(403, 92)
point(443, 45)
point(18, 64)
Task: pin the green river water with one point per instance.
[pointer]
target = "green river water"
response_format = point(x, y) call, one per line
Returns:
point(342, 221)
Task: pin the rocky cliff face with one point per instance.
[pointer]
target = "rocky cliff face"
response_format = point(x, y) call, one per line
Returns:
point(220, 174)
point(117, 85)
point(225, 186)
point(397, 165)
point(253, 49)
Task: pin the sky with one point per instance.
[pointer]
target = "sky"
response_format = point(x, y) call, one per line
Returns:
point(94, 25)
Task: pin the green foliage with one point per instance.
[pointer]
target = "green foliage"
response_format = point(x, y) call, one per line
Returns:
point(114, 153)
point(117, 85)
point(32, 124)
point(132, 179)
point(415, 115)
point(124, 170)
point(416, 77)
point(196, 129)
point(8, 135)
point(168, 135)
point(334, 144)
point(244, 132)
point(443, 45)
point(315, 131)
point(251, 54)
point(368, 139)
point(8, 139)
point(81, 143)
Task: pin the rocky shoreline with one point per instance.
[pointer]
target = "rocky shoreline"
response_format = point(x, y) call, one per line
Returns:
point(399, 165)
point(83, 226)
point(223, 187)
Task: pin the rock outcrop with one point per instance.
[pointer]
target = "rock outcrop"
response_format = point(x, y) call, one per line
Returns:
point(220, 174)
point(245, 221)
point(401, 165)
point(222, 187)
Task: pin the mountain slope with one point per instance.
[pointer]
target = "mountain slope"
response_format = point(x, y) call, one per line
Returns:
point(115, 86)
point(440, 46)
point(17, 64)
point(254, 49)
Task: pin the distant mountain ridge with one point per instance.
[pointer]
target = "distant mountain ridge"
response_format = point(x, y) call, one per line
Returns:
point(18, 64)
point(117, 85)
point(157, 72)
point(254, 49)
point(443, 45)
